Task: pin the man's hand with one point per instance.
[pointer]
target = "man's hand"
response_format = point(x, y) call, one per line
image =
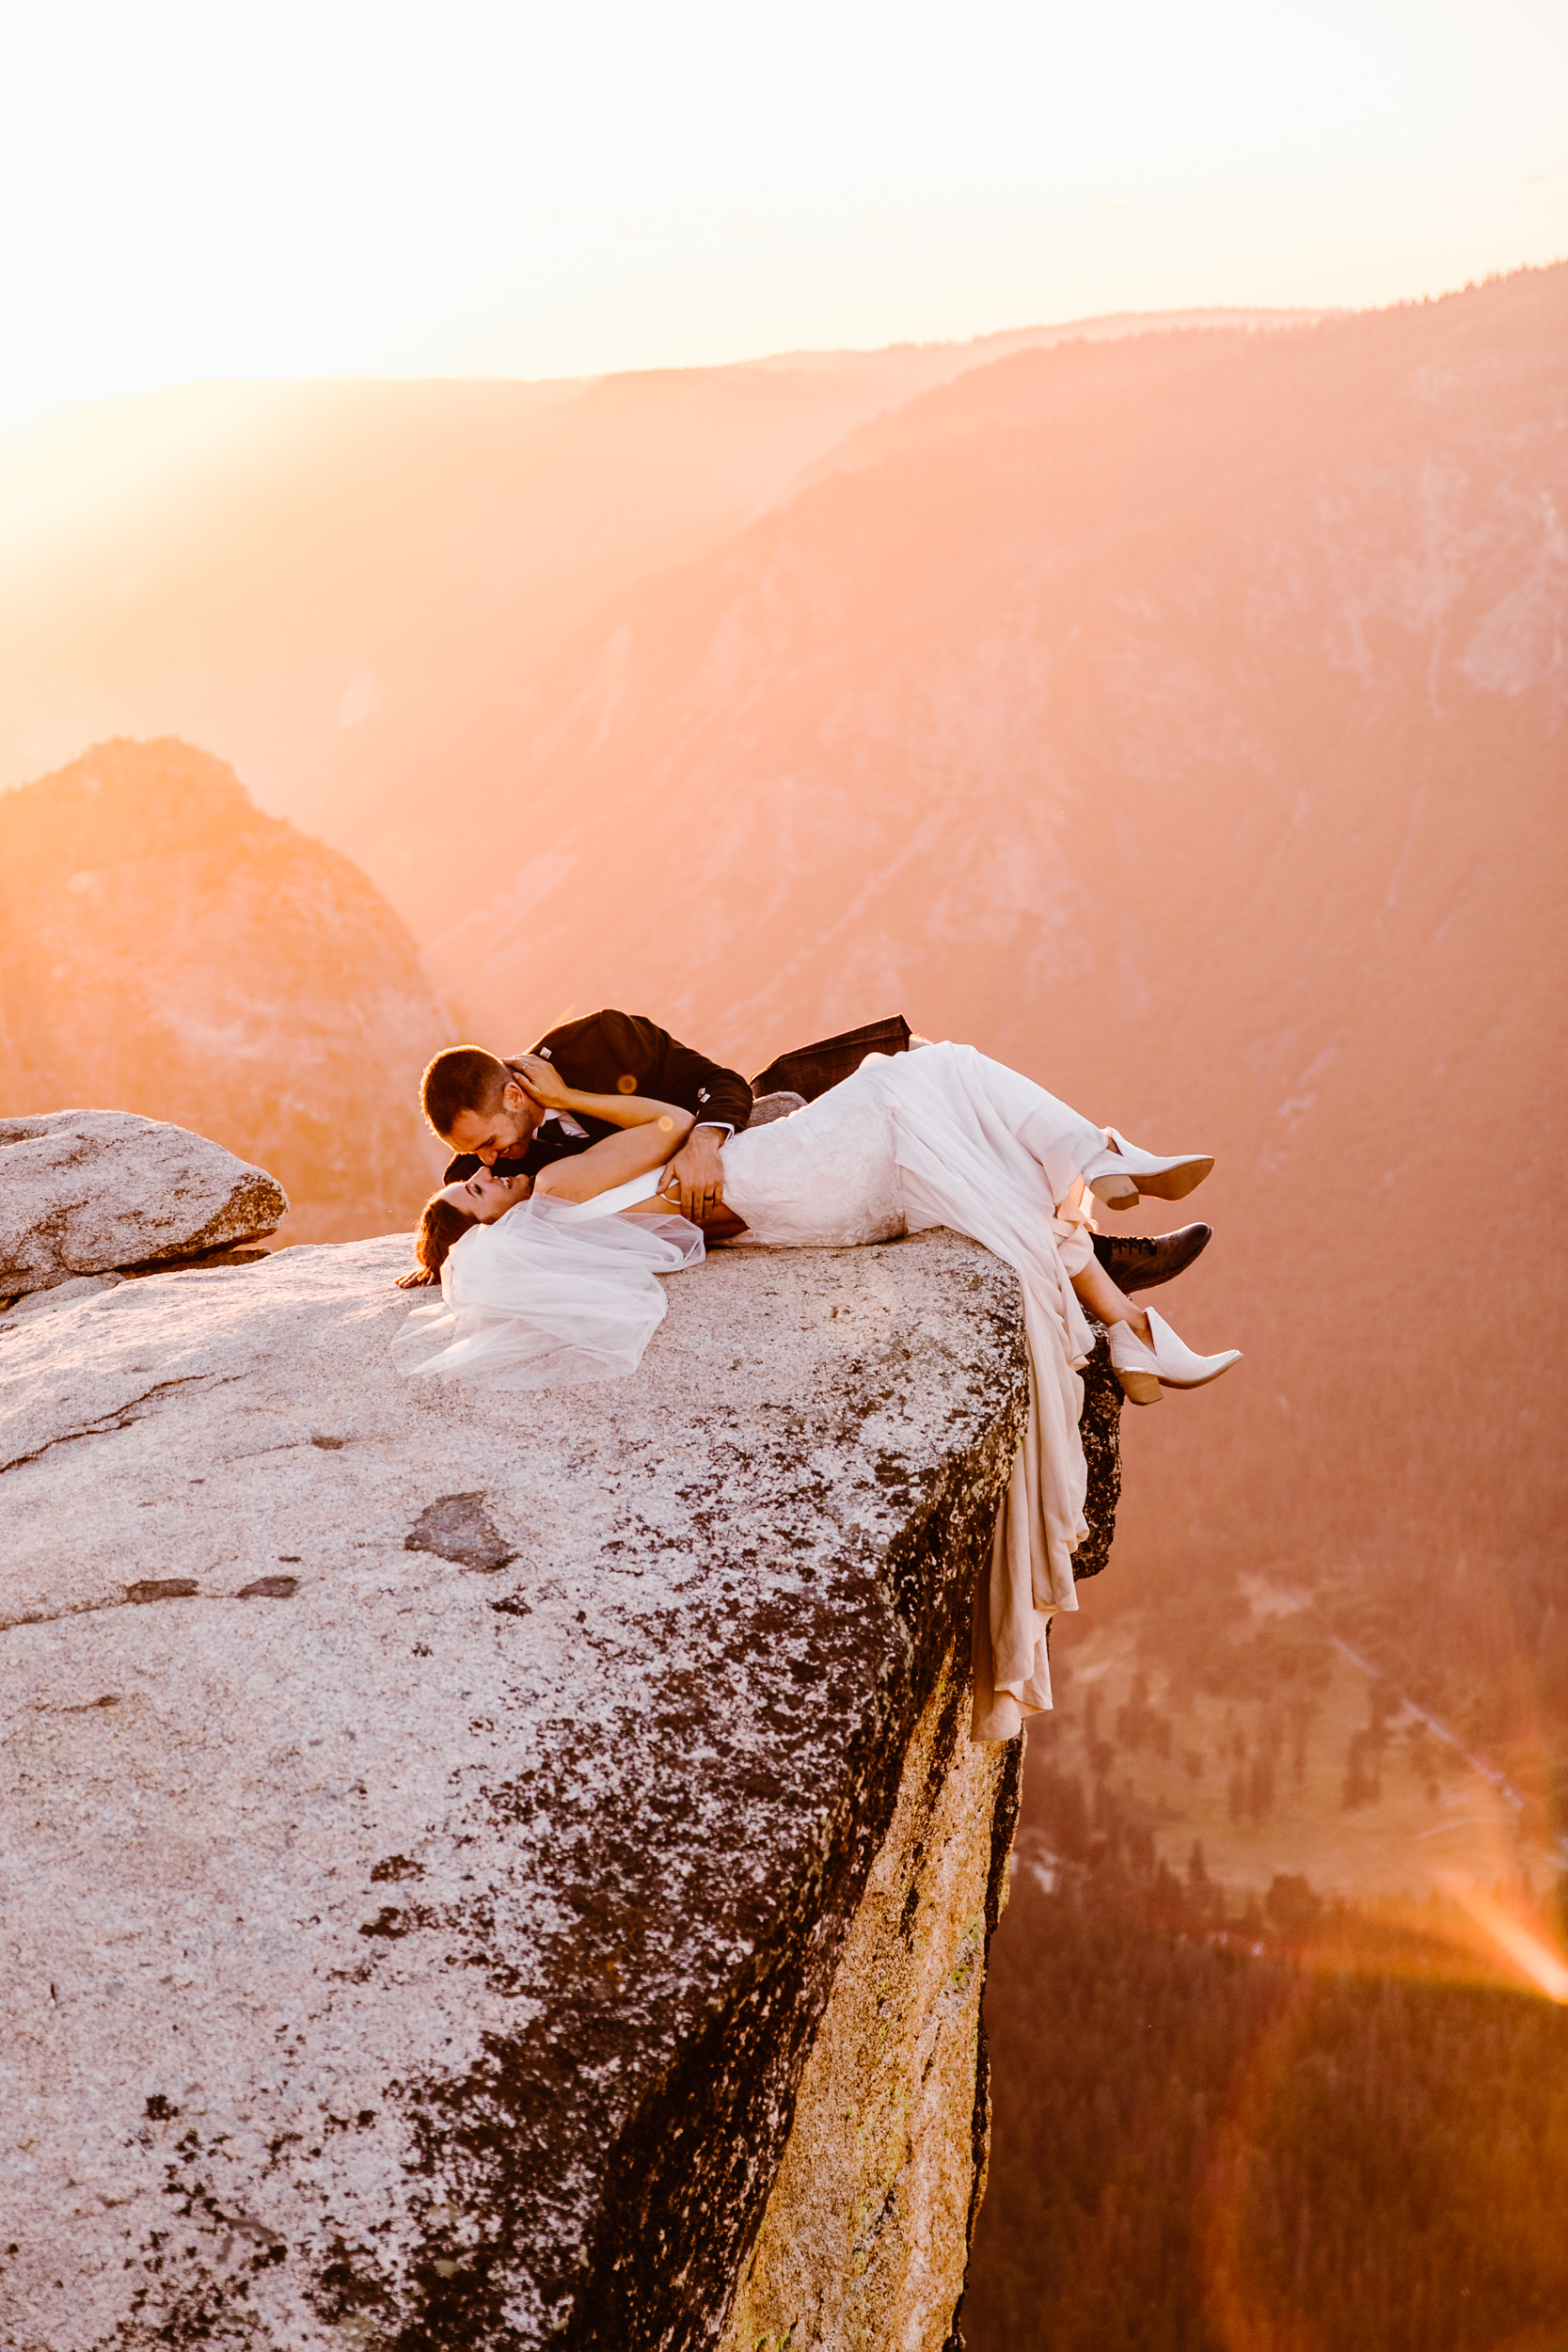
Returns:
point(696, 1174)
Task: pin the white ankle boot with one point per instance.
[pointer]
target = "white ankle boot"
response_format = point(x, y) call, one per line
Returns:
point(1170, 1363)
point(1121, 1178)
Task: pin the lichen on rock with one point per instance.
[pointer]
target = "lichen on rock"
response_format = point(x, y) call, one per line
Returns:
point(1100, 1432)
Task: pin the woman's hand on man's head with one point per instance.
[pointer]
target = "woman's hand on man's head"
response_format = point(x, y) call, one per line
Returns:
point(540, 1079)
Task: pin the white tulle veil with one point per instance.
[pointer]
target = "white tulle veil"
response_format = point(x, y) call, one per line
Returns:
point(554, 1293)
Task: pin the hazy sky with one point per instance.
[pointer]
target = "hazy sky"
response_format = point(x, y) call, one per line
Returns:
point(198, 190)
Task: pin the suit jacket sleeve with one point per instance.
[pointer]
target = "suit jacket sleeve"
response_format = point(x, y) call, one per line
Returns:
point(599, 1053)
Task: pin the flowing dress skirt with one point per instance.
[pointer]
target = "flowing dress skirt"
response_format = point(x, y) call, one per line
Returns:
point(943, 1135)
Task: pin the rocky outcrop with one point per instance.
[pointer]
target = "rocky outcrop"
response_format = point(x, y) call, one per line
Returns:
point(166, 950)
point(82, 1192)
point(484, 1872)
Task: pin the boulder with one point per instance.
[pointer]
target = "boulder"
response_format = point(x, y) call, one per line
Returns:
point(464, 1857)
point(84, 1192)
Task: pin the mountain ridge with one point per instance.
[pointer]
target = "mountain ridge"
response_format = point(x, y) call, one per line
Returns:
point(351, 588)
point(168, 948)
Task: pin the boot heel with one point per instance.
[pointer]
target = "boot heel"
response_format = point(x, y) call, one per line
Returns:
point(1143, 1369)
point(1131, 1172)
point(1116, 1192)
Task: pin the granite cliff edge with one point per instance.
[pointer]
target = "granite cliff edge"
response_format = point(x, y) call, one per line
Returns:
point(496, 1872)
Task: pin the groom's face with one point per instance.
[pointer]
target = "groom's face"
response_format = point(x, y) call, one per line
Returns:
point(503, 1134)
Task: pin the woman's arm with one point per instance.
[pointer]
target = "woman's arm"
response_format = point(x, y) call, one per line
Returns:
point(542, 1078)
point(654, 1132)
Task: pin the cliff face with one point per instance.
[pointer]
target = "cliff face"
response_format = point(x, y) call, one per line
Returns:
point(490, 1872)
point(1190, 625)
point(166, 949)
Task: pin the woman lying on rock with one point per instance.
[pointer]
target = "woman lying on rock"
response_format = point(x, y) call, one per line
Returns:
point(552, 1284)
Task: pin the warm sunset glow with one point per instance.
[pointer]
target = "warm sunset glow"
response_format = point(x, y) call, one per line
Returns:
point(1525, 1947)
point(514, 189)
point(1038, 525)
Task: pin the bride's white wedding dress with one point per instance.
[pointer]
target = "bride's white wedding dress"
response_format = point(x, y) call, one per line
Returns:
point(558, 1291)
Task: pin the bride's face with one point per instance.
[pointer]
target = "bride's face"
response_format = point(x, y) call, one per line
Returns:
point(485, 1196)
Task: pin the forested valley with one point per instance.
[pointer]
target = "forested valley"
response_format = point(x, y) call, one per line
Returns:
point(1264, 2123)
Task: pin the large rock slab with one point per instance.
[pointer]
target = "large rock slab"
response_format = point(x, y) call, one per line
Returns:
point(465, 1857)
point(82, 1192)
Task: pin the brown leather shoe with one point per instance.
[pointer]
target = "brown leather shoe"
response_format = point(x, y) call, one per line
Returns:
point(1141, 1262)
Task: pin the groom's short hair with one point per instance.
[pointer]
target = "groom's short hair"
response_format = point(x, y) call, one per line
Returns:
point(462, 1078)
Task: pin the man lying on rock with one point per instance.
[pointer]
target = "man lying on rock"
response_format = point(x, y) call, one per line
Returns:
point(480, 1106)
point(483, 1108)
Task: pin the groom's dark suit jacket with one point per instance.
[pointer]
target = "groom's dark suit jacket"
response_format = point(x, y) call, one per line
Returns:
point(623, 1052)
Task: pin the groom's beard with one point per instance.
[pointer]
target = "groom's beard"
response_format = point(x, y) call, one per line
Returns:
point(527, 1128)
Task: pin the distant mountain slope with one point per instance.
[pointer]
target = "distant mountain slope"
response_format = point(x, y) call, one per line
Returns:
point(166, 949)
point(1183, 720)
point(350, 587)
